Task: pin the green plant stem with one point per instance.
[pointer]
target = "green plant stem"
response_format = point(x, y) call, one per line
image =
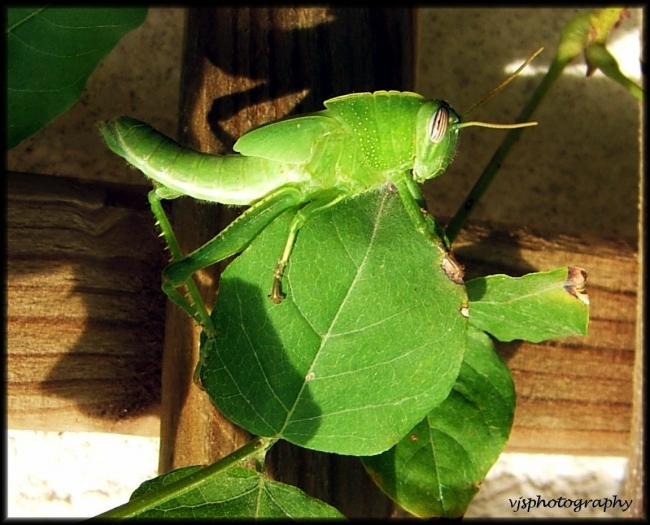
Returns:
point(575, 39)
point(597, 54)
point(484, 181)
point(253, 449)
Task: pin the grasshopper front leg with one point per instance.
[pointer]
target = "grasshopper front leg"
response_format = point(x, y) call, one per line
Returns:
point(232, 240)
point(325, 200)
point(415, 205)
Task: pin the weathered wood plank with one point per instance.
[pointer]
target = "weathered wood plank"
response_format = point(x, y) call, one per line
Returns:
point(85, 314)
point(574, 395)
point(85, 321)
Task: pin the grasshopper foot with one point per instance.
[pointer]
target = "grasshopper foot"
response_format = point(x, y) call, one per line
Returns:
point(276, 294)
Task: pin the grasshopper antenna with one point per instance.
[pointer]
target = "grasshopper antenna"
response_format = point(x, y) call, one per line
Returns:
point(504, 83)
point(491, 94)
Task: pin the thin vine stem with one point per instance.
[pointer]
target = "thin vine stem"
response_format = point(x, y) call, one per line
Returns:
point(254, 449)
point(579, 36)
point(486, 178)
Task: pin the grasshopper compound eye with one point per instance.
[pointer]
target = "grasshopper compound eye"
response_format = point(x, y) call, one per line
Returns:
point(438, 124)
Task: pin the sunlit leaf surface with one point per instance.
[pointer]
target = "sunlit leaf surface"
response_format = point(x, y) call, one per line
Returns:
point(369, 338)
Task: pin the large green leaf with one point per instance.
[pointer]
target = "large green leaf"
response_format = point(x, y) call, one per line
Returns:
point(234, 493)
point(535, 307)
point(437, 468)
point(51, 52)
point(368, 340)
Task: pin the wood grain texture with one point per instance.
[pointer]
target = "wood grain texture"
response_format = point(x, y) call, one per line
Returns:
point(85, 321)
point(635, 479)
point(84, 307)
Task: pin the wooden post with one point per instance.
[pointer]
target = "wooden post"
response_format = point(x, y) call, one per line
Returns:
point(242, 68)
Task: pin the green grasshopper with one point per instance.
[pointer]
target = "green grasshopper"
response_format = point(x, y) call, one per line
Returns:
point(308, 163)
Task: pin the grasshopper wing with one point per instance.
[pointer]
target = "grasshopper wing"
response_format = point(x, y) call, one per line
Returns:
point(290, 140)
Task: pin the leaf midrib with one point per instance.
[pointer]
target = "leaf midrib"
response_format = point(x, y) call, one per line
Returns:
point(326, 336)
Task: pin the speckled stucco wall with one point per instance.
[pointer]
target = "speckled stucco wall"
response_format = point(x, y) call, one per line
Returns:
point(578, 169)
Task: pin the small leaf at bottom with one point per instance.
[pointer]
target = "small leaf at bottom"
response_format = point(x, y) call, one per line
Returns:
point(437, 468)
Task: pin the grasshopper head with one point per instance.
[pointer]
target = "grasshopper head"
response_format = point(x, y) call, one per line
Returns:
point(436, 136)
point(437, 127)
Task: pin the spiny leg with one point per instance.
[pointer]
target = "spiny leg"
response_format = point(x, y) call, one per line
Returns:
point(329, 198)
point(197, 309)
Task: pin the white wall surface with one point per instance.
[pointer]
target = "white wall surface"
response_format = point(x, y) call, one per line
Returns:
point(82, 474)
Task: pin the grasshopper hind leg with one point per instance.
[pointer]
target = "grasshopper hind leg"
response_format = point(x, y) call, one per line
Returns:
point(196, 308)
point(232, 240)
